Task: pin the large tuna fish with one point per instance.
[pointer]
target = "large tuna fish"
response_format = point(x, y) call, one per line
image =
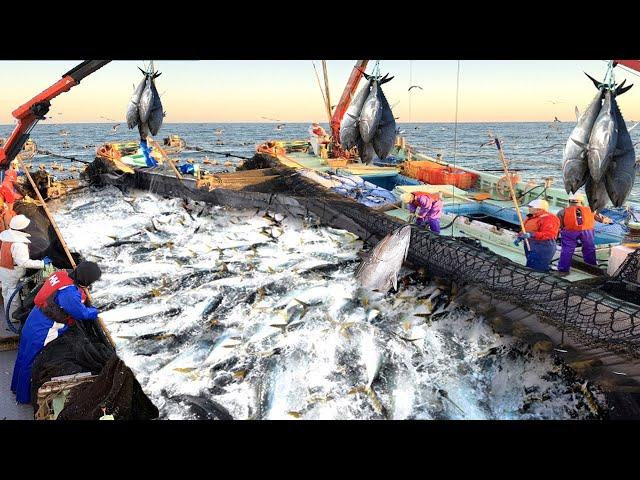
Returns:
point(370, 114)
point(366, 151)
point(603, 139)
point(133, 117)
point(147, 99)
point(385, 136)
point(379, 271)
point(156, 115)
point(621, 173)
point(575, 169)
point(349, 132)
point(596, 194)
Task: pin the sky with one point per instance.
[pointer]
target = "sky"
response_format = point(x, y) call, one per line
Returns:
point(246, 91)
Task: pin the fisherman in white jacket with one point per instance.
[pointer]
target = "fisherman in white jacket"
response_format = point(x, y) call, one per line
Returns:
point(14, 258)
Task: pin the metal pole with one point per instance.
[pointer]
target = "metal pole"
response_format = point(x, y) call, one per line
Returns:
point(63, 243)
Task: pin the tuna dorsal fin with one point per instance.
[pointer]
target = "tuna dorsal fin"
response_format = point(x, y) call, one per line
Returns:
point(598, 84)
point(620, 90)
point(577, 114)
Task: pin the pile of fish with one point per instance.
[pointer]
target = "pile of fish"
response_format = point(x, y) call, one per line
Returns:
point(145, 108)
point(369, 123)
point(599, 154)
point(225, 313)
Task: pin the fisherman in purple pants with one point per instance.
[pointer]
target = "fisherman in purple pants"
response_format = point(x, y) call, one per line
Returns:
point(427, 208)
point(576, 223)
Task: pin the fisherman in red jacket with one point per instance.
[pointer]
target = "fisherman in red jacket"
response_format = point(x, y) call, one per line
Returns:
point(542, 230)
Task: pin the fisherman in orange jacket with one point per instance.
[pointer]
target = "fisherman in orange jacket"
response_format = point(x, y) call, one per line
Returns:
point(8, 196)
point(576, 223)
point(542, 230)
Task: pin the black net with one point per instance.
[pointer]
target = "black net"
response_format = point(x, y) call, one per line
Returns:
point(584, 311)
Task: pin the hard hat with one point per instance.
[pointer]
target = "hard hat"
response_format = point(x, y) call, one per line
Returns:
point(576, 197)
point(541, 204)
point(19, 222)
point(407, 197)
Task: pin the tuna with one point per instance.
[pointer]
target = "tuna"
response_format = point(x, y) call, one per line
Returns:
point(621, 174)
point(349, 132)
point(156, 115)
point(575, 169)
point(379, 271)
point(370, 115)
point(385, 136)
point(133, 116)
point(603, 139)
point(596, 194)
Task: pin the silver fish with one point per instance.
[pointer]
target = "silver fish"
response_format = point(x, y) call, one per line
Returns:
point(366, 151)
point(349, 132)
point(146, 101)
point(621, 174)
point(157, 113)
point(379, 271)
point(596, 194)
point(603, 139)
point(370, 114)
point(575, 169)
point(385, 136)
point(133, 117)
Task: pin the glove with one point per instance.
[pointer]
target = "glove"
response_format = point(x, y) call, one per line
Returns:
point(522, 236)
point(47, 261)
point(516, 242)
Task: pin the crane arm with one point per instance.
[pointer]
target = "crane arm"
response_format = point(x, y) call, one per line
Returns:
point(347, 96)
point(632, 64)
point(35, 109)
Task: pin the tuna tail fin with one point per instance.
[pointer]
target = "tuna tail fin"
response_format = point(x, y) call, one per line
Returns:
point(598, 84)
point(143, 72)
point(385, 80)
point(620, 90)
point(157, 74)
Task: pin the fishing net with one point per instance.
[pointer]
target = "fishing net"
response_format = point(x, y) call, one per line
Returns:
point(584, 311)
point(83, 348)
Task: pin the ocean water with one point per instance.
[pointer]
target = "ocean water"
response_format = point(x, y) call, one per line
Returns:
point(536, 148)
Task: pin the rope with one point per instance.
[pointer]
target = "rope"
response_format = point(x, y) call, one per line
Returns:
point(455, 130)
point(226, 154)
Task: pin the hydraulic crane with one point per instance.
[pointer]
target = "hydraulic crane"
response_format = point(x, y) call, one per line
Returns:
point(36, 109)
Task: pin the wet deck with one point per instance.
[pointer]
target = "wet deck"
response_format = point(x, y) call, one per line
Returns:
point(9, 409)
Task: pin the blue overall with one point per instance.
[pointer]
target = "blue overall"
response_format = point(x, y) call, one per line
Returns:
point(540, 255)
point(146, 150)
point(38, 331)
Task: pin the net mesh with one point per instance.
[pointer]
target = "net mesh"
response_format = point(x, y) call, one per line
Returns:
point(586, 311)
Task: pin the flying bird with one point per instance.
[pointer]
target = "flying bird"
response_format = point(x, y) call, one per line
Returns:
point(272, 119)
point(415, 86)
point(551, 148)
point(115, 128)
point(280, 127)
point(555, 119)
point(555, 102)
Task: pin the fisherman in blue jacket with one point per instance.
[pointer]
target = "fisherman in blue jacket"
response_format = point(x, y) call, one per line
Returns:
point(59, 303)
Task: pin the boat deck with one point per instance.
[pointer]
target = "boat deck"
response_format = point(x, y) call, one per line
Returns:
point(452, 198)
point(9, 409)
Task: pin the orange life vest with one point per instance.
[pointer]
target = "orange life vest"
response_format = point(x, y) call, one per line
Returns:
point(570, 219)
point(6, 214)
point(52, 284)
point(6, 259)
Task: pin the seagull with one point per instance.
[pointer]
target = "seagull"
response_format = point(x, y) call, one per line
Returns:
point(490, 142)
point(415, 86)
point(555, 119)
point(272, 119)
point(219, 131)
point(115, 128)
point(555, 102)
point(280, 127)
point(64, 133)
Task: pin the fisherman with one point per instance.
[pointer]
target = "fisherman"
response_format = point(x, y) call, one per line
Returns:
point(542, 230)
point(8, 196)
point(576, 223)
point(14, 258)
point(60, 302)
point(318, 131)
point(426, 207)
point(318, 137)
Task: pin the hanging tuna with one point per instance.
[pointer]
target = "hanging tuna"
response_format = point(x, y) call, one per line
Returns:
point(145, 107)
point(369, 123)
point(599, 154)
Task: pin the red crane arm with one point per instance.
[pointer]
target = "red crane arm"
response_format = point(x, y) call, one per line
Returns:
point(632, 64)
point(35, 109)
point(345, 99)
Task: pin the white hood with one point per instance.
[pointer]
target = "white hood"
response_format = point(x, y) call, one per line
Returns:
point(15, 236)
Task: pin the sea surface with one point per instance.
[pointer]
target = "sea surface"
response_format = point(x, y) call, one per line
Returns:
point(535, 148)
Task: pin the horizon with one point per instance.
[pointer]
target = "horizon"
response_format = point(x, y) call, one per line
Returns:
point(243, 91)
